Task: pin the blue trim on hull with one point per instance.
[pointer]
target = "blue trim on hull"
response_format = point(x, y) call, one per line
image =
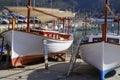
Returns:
point(103, 73)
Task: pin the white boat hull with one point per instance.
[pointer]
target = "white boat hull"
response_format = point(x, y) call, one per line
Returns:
point(104, 56)
point(27, 46)
point(55, 46)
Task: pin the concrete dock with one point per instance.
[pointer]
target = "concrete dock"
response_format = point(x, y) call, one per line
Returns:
point(56, 71)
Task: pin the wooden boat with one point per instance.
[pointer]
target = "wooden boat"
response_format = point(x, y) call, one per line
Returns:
point(102, 55)
point(102, 50)
point(27, 45)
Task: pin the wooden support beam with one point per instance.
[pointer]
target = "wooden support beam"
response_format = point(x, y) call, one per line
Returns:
point(103, 33)
point(68, 26)
point(28, 17)
point(60, 56)
point(105, 22)
point(57, 56)
point(13, 23)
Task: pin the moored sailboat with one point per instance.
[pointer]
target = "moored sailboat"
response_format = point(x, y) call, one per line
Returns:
point(102, 50)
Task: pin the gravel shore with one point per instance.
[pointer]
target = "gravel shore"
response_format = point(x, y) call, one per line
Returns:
point(56, 71)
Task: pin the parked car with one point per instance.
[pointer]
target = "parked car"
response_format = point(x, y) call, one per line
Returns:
point(34, 20)
point(4, 20)
point(21, 19)
point(12, 15)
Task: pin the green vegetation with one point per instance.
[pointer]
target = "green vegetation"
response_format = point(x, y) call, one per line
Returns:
point(73, 5)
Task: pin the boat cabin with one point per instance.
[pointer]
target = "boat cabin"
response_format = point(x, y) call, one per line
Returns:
point(111, 38)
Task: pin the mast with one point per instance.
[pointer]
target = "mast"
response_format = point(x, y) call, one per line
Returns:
point(28, 17)
point(18, 2)
point(104, 26)
point(68, 25)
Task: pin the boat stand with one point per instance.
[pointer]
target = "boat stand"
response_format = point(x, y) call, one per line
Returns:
point(58, 56)
point(73, 58)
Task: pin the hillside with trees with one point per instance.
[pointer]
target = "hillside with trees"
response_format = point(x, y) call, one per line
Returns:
point(71, 5)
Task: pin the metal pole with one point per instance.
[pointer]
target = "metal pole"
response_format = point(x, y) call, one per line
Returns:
point(18, 2)
point(51, 4)
point(118, 28)
point(45, 53)
point(34, 3)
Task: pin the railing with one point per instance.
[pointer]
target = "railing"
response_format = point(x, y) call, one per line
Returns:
point(50, 34)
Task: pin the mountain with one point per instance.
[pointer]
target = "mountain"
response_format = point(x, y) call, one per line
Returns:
point(73, 5)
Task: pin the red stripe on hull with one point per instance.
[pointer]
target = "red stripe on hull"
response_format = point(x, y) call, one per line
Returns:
point(20, 61)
